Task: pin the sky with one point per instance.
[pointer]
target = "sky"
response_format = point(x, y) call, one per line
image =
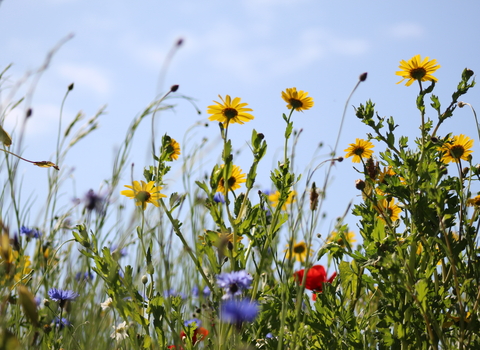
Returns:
point(252, 49)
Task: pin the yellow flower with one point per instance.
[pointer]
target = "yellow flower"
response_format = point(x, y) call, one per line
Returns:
point(144, 193)
point(174, 149)
point(230, 112)
point(297, 100)
point(274, 197)
point(474, 202)
point(298, 251)
point(337, 237)
point(360, 149)
point(416, 69)
point(457, 148)
point(234, 181)
point(219, 239)
point(390, 209)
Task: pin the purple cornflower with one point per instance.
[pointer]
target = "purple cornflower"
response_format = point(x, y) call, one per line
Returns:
point(84, 276)
point(219, 198)
point(30, 232)
point(60, 323)
point(94, 201)
point(238, 311)
point(120, 251)
point(206, 291)
point(62, 296)
point(173, 293)
point(198, 323)
point(234, 282)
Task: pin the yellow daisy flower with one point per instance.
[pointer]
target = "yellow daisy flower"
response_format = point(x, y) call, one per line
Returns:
point(144, 193)
point(360, 149)
point(174, 149)
point(337, 237)
point(234, 181)
point(274, 198)
point(458, 148)
point(416, 69)
point(298, 251)
point(230, 112)
point(474, 202)
point(390, 209)
point(297, 100)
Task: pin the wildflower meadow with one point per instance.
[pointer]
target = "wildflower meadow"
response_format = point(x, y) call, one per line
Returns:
point(221, 263)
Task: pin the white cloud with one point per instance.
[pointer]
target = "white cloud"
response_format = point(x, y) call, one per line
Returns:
point(87, 77)
point(406, 30)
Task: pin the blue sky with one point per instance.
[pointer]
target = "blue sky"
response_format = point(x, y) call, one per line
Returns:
point(252, 49)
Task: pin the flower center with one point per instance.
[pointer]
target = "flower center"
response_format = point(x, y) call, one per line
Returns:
point(143, 196)
point(418, 73)
point(296, 103)
point(456, 151)
point(230, 113)
point(359, 151)
point(299, 249)
point(231, 181)
point(233, 288)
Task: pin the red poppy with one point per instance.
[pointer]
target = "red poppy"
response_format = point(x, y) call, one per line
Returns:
point(199, 332)
point(316, 276)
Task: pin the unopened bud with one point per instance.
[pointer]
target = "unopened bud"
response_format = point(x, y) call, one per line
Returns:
point(363, 76)
point(70, 87)
point(360, 184)
point(174, 88)
point(144, 279)
point(465, 171)
point(461, 104)
point(340, 159)
point(180, 42)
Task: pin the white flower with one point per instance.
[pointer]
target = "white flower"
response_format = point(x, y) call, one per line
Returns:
point(107, 304)
point(120, 332)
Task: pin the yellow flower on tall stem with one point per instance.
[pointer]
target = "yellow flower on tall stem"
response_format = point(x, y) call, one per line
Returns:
point(457, 148)
point(275, 197)
point(174, 148)
point(360, 149)
point(416, 69)
point(234, 181)
point(230, 111)
point(297, 100)
point(389, 209)
point(474, 202)
point(298, 252)
point(144, 193)
point(337, 237)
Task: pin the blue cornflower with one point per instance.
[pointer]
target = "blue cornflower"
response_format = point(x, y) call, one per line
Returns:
point(122, 252)
point(173, 293)
point(198, 323)
point(30, 232)
point(62, 296)
point(219, 198)
point(94, 202)
point(269, 336)
point(84, 276)
point(206, 291)
point(234, 282)
point(60, 323)
point(238, 311)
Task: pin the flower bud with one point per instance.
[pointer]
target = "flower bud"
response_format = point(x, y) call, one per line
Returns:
point(144, 279)
point(461, 104)
point(363, 76)
point(360, 184)
point(174, 88)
